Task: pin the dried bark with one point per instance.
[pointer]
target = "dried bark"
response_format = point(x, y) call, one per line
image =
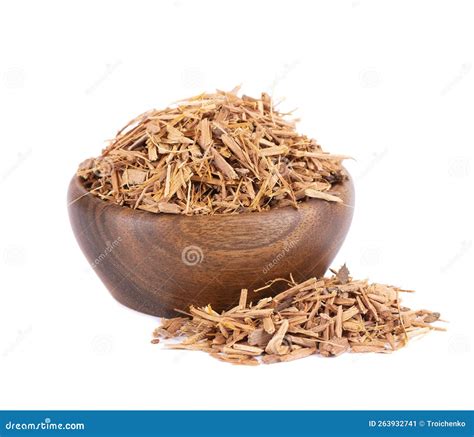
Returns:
point(213, 153)
point(328, 316)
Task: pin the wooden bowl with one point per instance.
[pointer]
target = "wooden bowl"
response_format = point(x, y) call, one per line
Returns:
point(156, 263)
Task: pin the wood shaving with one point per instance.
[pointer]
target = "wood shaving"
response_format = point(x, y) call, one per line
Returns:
point(213, 153)
point(327, 316)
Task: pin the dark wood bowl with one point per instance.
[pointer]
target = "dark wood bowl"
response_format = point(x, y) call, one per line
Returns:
point(156, 263)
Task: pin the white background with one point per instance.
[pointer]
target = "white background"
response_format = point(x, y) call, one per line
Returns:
point(389, 83)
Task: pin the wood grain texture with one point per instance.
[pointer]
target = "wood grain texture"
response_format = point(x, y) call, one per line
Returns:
point(155, 263)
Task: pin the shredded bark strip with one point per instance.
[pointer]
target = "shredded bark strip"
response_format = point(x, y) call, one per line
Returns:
point(326, 316)
point(213, 153)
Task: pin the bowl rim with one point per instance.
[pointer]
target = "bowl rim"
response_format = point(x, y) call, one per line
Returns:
point(347, 194)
